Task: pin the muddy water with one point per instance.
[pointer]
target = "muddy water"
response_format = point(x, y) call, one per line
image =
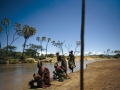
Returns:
point(15, 75)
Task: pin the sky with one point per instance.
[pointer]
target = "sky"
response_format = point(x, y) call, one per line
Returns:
point(61, 20)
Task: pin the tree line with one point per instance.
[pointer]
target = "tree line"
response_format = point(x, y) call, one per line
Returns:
point(30, 50)
point(107, 53)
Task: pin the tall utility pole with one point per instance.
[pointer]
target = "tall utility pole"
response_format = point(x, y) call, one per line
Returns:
point(82, 46)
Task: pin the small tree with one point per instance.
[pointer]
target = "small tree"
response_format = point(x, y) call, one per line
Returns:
point(59, 45)
point(41, 41)
point(1, 31)
point(54, 44)
point(68, 47)
point(6, 23)
point(77, 45)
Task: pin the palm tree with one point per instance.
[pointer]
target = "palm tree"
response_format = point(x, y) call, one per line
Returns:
point(104, 52)
point(26, 33)
point(47, 41)
point(53, 42)
point(6, 23)
point(56, 44)
point(41, 40)
point(1, 30)
point(108, 50)
point(38, 39)
point(59, 44)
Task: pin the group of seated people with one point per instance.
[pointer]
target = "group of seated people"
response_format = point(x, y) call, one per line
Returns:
point(42, 78)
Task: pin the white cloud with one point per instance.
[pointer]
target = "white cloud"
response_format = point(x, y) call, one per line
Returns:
point(45, 53)
point(86, 52)
point(93, 52)
point(66, 53)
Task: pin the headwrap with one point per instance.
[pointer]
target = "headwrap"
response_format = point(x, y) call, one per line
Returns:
point(71, 51)
point(57, 53)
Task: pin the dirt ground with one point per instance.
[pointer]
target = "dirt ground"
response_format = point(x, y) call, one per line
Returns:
point(102, 75)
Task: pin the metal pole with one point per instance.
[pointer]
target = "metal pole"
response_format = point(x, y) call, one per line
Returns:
point(82, 47)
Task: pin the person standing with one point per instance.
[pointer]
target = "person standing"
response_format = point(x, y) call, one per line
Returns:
point(71, 61)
